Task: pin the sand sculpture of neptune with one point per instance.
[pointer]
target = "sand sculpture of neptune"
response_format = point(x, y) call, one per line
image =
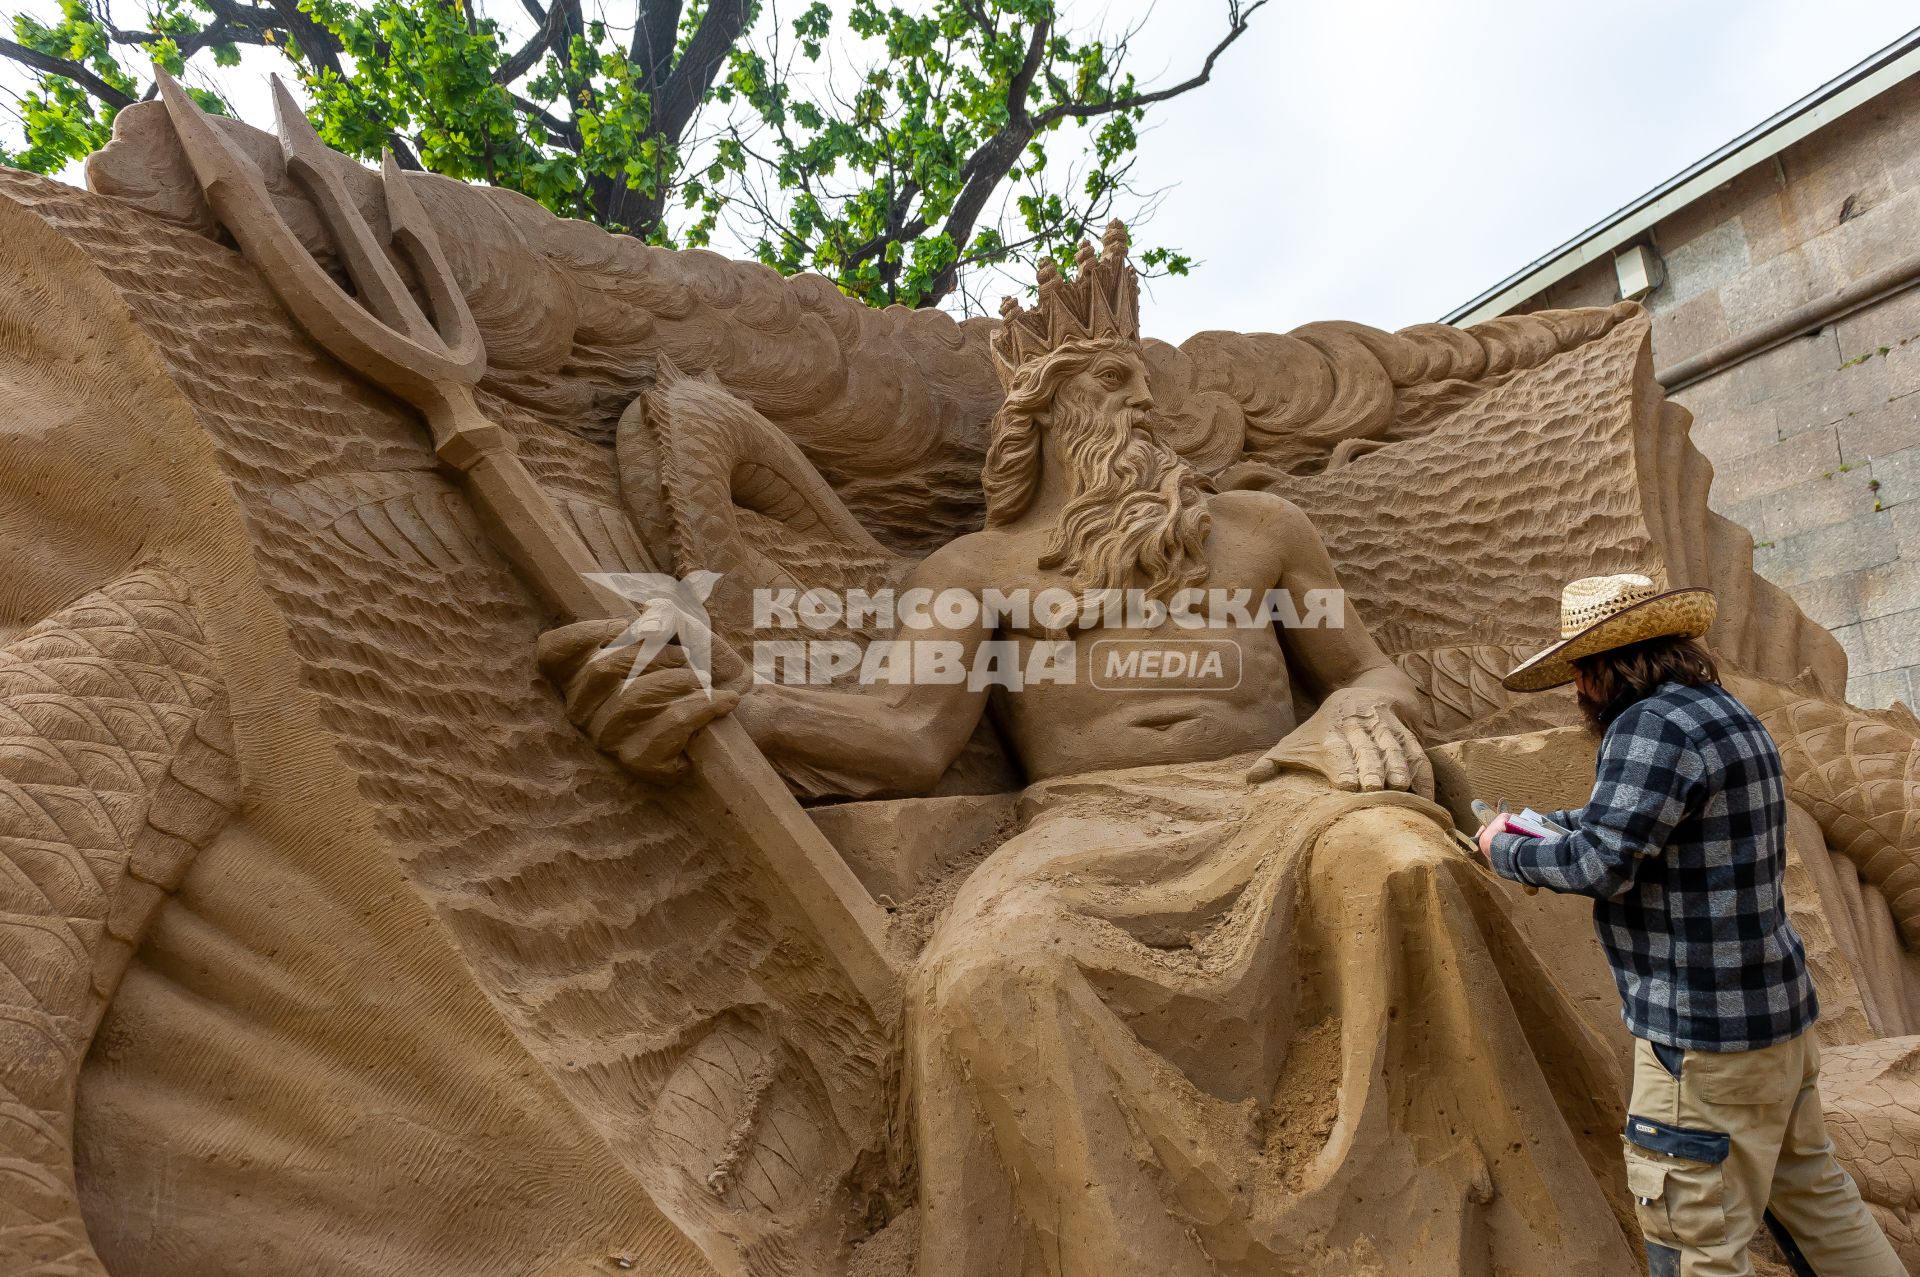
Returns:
point(359, 914)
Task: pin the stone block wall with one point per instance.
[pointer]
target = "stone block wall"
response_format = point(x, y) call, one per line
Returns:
point(1816, 443)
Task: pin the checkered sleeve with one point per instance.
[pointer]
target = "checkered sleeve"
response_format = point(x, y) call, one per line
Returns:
point(1650, 775)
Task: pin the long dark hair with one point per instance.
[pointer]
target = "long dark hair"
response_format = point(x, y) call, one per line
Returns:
point(1620, 676)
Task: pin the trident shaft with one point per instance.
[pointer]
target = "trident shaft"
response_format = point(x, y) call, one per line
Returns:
point(433, 361)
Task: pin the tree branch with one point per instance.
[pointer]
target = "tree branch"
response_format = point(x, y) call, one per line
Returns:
point(319, 44)
point(1238, 18)
point(80, 75)
point(522, 59)
point(678, 100)
point(977, 10)
point(656, 31)
point(230, 21)
point(988, 166)
point(403, 153)
point(1022, 82)
point(997, 153)
point(559, 132)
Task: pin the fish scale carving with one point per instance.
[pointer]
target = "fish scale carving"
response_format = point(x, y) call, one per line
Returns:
point(1870, 1118)
point(1859, 774)
point(1461, 684)
point(115, 768)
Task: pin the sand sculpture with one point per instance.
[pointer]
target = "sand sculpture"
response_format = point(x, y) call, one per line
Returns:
point(347, 930)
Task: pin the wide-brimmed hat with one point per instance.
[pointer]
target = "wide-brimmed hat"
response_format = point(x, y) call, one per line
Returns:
point(1598, 613)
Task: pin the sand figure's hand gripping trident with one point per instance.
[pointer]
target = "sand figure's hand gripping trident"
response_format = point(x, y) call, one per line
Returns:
point(433, 363)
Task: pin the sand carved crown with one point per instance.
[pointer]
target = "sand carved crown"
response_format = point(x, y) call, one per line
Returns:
point(1101, 301)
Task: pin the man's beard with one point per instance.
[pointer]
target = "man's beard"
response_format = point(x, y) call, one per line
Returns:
point(1137, 507)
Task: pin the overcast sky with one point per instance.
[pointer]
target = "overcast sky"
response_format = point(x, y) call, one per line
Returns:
point(1386, 161)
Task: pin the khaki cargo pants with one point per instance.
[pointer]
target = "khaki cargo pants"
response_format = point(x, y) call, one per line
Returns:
point(1736, 1136)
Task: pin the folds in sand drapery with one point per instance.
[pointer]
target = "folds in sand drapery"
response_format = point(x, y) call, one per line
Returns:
point(1178, 1025)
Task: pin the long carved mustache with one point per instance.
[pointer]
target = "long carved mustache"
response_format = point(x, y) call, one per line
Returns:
point(1137, 507)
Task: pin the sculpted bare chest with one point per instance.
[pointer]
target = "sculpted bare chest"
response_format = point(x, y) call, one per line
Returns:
point(1144, 682)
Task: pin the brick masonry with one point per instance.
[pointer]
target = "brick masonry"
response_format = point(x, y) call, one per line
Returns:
point(1815, 444)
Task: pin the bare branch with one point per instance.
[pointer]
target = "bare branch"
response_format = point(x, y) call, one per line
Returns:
point(1022, 82)
point(1238, 17)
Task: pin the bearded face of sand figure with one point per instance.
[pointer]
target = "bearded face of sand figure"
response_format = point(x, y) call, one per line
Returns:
point(1134, 513)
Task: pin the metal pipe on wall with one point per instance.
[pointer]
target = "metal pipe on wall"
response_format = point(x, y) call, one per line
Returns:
point(1800, 321)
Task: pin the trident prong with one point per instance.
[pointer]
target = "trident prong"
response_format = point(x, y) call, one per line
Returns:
point(309, 162)
point(413, 232)
point(393, 343)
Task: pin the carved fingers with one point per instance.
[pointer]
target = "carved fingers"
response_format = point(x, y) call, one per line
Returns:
point(1265, 768)
point(643, 716)
point(657, 748)
point(1357, 755)
point(561, 652)
point(1370, 749)
point(1408, 767)
point(1357, 743)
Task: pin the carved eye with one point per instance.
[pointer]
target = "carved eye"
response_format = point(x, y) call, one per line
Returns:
point(1111, 377)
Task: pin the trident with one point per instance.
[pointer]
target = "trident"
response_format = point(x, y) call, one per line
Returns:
point(434, 364)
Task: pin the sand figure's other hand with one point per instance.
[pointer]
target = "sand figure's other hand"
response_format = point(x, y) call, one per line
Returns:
point(1356, 741)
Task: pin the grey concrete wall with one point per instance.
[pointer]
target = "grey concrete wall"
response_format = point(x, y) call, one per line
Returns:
point(1815, 444)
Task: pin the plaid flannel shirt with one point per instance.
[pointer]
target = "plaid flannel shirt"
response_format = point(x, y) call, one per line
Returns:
point(1682, 845)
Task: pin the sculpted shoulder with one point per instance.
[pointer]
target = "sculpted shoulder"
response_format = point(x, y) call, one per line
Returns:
point(974, 560)
point(1264, 514)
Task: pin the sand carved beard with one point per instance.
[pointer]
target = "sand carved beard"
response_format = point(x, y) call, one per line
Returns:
point(1137, 517)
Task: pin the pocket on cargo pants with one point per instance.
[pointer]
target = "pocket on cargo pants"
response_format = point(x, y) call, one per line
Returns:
point(1674, 1174)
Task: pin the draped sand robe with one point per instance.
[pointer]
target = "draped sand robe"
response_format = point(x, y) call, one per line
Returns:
point(1178, 1025)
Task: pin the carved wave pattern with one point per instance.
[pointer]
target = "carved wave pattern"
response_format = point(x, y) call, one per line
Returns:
point(1527, 487)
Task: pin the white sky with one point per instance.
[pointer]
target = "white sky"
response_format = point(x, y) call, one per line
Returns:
point(1386, 161)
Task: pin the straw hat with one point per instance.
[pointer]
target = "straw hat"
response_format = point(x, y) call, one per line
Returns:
point(1598, 613)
